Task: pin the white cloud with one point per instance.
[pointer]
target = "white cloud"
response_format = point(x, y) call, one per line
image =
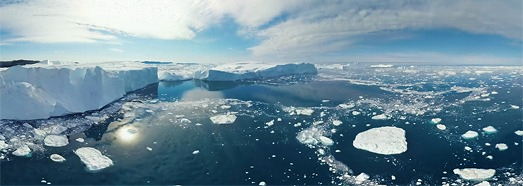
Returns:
point(116, 50)
point(309, 28)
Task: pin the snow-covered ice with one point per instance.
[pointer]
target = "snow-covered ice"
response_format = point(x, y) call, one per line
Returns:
point(501, 146)
point(382, 140)
point(3, 145)
point(93, 158)
point(270, 123)
point(326, 141)
point(514, 106)
point(57, 158)
point(490, 130)
point(56, 140)
point(253, 70)
point(40, 91)
point(223, 119)
point(196, 152)
point(441, 127)
point(435, 120)
point(380, 117)
point(475, 174)
point(23, 150)
point(361, 178)
point(470, 135)
point(305, 111)
point(483, 183)
point(337, 122)
point(519, 132)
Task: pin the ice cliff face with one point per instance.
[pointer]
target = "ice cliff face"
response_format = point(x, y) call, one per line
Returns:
point(252, 70)
point(39, 92)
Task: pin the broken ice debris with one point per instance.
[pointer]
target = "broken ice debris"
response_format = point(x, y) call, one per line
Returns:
point(470, 134)
point(223, 119)
point(93, 159)
point(514, 106)
point(382, 140)
point(196, 152)
point(380, 117)
point(57, 158)
point(326, 141)
point(361, 178)
point(56, 140)
point(435, 120)
point(337, 122)
point(441, 127)
point(501, 146)
point(519, 132)
point(270, 123)
point(475, 174)
point(490, 130)
point(22, 151)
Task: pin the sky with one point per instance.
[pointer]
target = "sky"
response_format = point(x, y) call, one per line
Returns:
point(217, 31)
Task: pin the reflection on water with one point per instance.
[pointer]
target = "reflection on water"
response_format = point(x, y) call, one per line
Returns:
point(127, 134)
point(199, 94)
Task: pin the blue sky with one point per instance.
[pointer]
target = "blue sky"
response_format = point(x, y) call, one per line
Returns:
point(472, 32)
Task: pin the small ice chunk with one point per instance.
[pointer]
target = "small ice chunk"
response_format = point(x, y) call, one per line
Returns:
point(519, 132)
point(326, 141)
point(435, 120)
point(490, 130)
point(81, 140)
point(361, 178)
point(57, 158)
point(489, 157)
point(380, 117)
point(345, 106)
point(39, 134)
point(467, 148)
point(3, 145)
point(56, 140)
point(270, 123)
point(337, 122)
point(475, 174)
point(223, 119)
point(514, 106)
point(392, 177)
point(149, 148)
point(22, 151)
point(470, 134)
point(306, 111)
point(325, 101)
point(483, 183)
point(262, 183)
point(93, 159)
point(356, 113)
point(382, 140)
point(196, 152)
point(441, 127)
point(225, 107)
point(501, 146)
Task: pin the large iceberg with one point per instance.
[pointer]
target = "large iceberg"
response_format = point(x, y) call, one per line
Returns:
point(475, 174)
point(382, 140)
point(93, 158)
point(253, 70)
point(41, 91)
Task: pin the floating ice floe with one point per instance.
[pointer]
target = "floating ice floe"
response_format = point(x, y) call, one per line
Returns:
point(514, 106)
point(519, 132)
point(337, 122)
point(470, 135)
point(306, 111)
point(356, 113)
point(483, 183)
point(435, 120)
point(326, 141)
point(501, 146)
point(57, 158)
point(362, 177)
point(490, 130)
point(253, 70)
point(441, 127)
point(56, 140)
point(270, 123)
point(382, 140)
point(93, 159)
point(196, 152)
point(22, 151)
point(81, 140)
point(223, 119)
point(3, 145)
point(475, 174)
point(380, 117)
point(40, 91)
point(262, 183)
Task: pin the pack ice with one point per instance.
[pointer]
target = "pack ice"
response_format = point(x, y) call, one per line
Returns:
point(93, 159)
point(253, 70)
point(41, 91)
point(382, 140)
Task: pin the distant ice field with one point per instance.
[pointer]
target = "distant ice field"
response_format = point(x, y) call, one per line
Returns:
point(289, 130)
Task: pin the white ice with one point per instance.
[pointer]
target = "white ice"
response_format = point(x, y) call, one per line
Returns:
point(435, 120)
point(223, 119)
point(475, 174)
point(514, 106)
point(490, 130)
point(253, 70)
point(381, 66)
point(483, 183)
point(501, 146)
point(270, 123)
point(22, 151)
point(3, 145)
point(56, 140)
point(57, 158)
point(40, 91)
point(337, 122)
point(305, 111)
point(382, 140)
point(361, 178)
point(93, 159)
point(380, 117)
point(441, 127)
point(470, 135)
point(519, 132)
point(326, 141)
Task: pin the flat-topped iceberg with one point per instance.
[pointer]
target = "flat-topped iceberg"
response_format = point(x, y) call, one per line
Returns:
point(57, 158)
point(41, 91)
point(382, 140)
point(223, 119)
point(490, 130)
point(470, 135)
point(253, 70)
point(56, 140)
point(93, 159)
point(475, 174)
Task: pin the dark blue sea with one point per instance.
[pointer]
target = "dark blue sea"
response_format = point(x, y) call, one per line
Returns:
point(174, 141)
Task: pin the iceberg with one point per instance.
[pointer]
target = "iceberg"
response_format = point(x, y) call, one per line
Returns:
point(380, 117)
point(57, 158)
point(519, 132)
point(382, 140)
point(22, 151)
point(3, 145)
point(223, 119)
point(490, 130)
point(56, 140)
point(253, 70)
point(441, 127)
point(326, 141)
point(93, 159)
point(470, 135)
point(501, 146)
point(475, 174)
point(435, 120)
point(41, 91)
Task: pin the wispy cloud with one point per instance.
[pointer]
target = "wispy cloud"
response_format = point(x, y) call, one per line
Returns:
point(116, 50)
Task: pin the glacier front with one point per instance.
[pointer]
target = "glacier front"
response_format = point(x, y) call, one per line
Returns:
point(41, 91)
point(253, 70)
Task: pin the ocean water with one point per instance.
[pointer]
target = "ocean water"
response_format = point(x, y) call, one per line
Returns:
point(163, 134)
